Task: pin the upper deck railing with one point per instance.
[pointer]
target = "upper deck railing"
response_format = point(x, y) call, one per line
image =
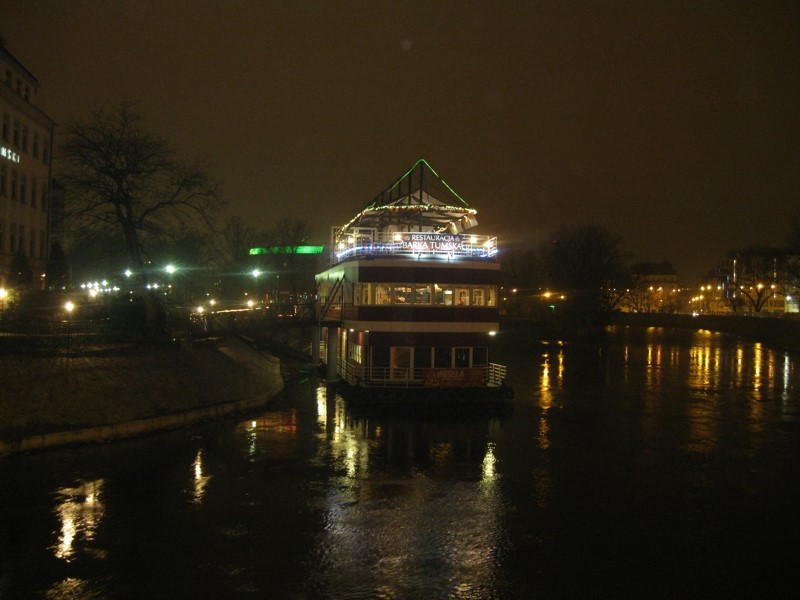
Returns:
point(413, 244)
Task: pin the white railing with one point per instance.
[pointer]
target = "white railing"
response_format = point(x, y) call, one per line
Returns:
point(493, 376)
point(415, 244)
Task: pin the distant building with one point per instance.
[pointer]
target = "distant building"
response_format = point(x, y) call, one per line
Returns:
point(654, 288)
point(25, 174)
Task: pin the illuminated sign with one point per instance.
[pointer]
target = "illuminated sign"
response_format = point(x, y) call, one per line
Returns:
point(472, 377)
point(9, 154)
point(431, 242)
point(287, 250)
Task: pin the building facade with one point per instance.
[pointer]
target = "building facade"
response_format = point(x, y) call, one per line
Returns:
point(26, 142)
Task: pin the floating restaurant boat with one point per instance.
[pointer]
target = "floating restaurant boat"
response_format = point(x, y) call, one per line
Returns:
point(409, 304)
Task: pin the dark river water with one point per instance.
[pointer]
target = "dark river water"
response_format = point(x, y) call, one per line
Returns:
point(651, 464)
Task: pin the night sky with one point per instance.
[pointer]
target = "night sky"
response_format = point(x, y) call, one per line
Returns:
point(673, 124)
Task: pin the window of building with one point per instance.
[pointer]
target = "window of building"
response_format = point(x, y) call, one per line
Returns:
point(402, 294)
point(462, 357)
point(21, 246)
point(477, 297)
point(19, 87)
point(34, 191)
point(17, 128)
point(13, 238)
point(44, 197)
point(6, 126)
point(23, 188)
point(382, 295)
point(8, 77)
point(2, 236)
point(354, 350)
point(401, 362)
point(33, 243)
point(46, 151)
point(25, 138)
point(443, 358)
point(13, 184)
point(422, 357)
point(3, 178)
point(42, 240)
point(27, 93)
point(462, 296)
point(380, 362)
point(480, 356)
point(422, 294)
point(444, 295)
point(35, 144)
point(491, 296)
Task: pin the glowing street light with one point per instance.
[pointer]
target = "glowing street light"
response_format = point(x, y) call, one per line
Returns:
point(170, 268)
point(69, 306)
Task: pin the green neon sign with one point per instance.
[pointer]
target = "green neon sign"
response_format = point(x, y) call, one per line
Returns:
point(287, 250)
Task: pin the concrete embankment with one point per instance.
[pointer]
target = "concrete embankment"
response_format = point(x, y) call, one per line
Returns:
point(103, 393)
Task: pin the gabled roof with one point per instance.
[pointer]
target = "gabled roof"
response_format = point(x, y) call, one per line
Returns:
point(408, 203)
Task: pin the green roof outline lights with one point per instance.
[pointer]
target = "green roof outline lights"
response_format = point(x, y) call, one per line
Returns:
point(400, 179)
point(287, 250)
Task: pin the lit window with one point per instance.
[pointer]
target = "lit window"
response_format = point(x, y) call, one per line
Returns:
point(402, 294)
point(382, 294)
point(422, 294)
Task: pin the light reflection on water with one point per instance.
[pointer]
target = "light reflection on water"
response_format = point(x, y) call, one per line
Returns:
point(622, 463)
point(80, 511)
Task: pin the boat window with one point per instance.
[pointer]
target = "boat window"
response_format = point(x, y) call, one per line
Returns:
point(361, 295)
point(480, 357)
point(444, 295)
point(402, 294)
point(382, 294)
point(491, 296)
point(422, 294)
point(380, 362)
point(462, 297)
point(477, 296)
point(462, 357)
point(443, 357)
point(401, 362)
point(422, 357)
point(354, 352)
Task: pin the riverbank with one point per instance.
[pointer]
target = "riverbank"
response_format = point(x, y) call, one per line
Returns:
point(107, 392)
point(779, 332)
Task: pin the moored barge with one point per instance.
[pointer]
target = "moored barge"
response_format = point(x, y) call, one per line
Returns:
point(409, 304)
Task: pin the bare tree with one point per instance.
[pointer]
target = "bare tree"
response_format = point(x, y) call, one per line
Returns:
point(588, 264)
point(239, 238)
point(760, 274)
point(288, 234)
point(121, 177)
